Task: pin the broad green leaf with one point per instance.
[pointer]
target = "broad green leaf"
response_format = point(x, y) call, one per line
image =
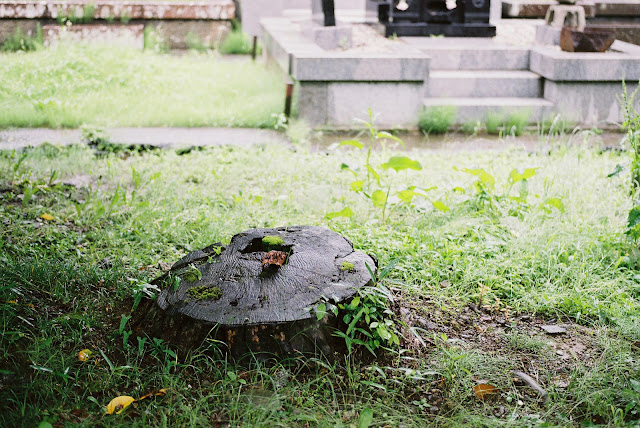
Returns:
point(345, 212)
point(356, 186)
point(406, 196)
point(355, 302)
point(384, 134)
point(484, 177)
point(515, 176)
point(321, 311)
point(374, 173)
point(354, 143)
point(634, 217)
point(400, 163)
point(379, 198)
point(366, 418)
point(440, 206)
point(556, 203)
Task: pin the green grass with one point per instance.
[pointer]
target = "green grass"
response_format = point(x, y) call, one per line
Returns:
point(436, 120)
point(66, 283)
point(71, 85)
point(237, 43)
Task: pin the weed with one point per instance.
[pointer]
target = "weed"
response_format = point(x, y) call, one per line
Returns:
point(436, 120)
point(373, 187)
point(153, 41)
point(195, 43)
point(632, 126)
point(19, 41)
point(507, 124)
point(237, 43)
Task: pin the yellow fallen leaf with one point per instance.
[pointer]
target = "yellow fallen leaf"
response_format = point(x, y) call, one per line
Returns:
point(118, 404)
point(84, 355)
point(484, 390)
point(46, 216)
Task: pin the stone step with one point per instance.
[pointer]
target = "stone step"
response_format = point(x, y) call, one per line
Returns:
point(472, 109)
point(481, 83)
point(459, 53)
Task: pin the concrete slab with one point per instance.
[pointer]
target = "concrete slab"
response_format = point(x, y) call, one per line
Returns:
point(472, 109)
point(622, 61)
point(336, 86)
point(492, 83)
point(588, 103)
point(459, 53)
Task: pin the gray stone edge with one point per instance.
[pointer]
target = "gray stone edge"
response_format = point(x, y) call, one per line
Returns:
point(309, 62)
point(554, 64)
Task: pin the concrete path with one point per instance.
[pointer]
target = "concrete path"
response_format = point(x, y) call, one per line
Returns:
point(159, 137)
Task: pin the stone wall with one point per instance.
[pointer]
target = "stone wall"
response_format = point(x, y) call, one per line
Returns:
point(209, 20)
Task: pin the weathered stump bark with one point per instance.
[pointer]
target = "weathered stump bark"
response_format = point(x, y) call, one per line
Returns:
point(259, 294)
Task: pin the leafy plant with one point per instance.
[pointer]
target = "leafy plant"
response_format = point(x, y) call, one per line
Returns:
point(237, 43)
point(507, 124)
point(71, 17)
point(631, 125)
point(153, 40)
point(436, 120)
point(195, 43)
point(486, 199)
point(368, 316)
point(19, 41)
point(373, 186)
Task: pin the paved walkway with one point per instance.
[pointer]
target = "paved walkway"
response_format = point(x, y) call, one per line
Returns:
point(159, 137)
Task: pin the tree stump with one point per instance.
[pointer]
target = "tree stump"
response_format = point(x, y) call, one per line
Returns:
point(261, 295)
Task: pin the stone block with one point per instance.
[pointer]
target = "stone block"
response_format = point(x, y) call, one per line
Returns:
point(473, 109)
point(494, 83)
point(547, 35)
point(251, 11)
point(9, 27)
point(106, 9)
point(336, 37)
point(127, 35)
point(589, 103)
point(175, 31)
point(470, 54)
point(622, 61)
point(394, 104)
point(378, 67)
point(312, 101)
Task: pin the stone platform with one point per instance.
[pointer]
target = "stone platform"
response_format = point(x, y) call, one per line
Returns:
point(334, 87)
point(477, 77)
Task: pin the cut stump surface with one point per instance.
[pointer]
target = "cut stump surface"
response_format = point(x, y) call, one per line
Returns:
point(259, 293)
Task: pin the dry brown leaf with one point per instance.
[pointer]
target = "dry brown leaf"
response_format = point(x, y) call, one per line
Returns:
point(484, 390)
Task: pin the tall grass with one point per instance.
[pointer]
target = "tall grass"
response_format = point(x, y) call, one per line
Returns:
point(70, 85)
